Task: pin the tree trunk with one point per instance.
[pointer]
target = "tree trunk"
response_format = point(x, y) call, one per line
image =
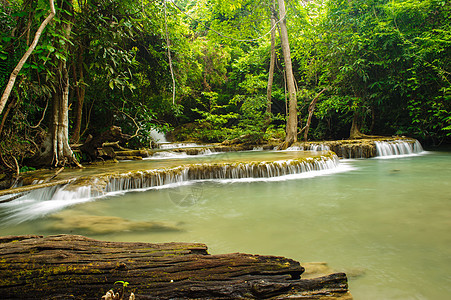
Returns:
point(15, 72)
point(272, 63)
point(81, 92)
point(355, 128)
point(311, 109)
point(292, 122)
point(76, 267)
point(5, 115)
point(55, 150)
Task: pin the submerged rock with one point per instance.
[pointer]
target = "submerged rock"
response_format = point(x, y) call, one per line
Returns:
point(91, 224)
point(319, 269)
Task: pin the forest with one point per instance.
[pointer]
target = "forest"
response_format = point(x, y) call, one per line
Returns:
point(214, 71)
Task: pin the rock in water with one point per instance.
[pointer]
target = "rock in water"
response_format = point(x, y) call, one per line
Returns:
point(92, 224)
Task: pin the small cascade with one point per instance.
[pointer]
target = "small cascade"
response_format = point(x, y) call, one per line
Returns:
point(206, 152)
point(159, 177)
point(158, 136)
point(309, 147)
point(318, 147)
point(43, 201)
point(179, 145)
point(398, 148)
point(167, 155)
point(294, 148)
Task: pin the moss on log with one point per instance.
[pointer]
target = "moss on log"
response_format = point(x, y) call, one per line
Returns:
point(76, 267)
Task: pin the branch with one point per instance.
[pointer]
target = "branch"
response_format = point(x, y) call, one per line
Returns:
point(43, 115)
point(15, 72)
point(131, 118)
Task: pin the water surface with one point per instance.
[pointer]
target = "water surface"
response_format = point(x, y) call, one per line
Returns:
point(386, 222)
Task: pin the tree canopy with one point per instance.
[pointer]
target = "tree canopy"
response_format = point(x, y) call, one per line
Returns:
point(200, 70)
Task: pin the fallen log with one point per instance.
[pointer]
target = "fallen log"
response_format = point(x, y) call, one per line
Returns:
point(76, 267)
point(93, 145)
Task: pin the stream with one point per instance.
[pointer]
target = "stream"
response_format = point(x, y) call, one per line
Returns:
point(385, 222)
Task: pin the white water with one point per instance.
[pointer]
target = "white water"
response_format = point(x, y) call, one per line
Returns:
point(169, 145)
point(398, 149)
point(173, 154)
point(311, 147)
point(158, 136)
point(38, 203)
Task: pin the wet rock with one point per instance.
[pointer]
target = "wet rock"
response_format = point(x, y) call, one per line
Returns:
point(129, 158)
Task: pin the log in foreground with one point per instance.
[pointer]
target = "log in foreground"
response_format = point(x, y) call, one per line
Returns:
point(77, 267)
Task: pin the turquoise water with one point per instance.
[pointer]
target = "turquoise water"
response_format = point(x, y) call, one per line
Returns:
point(386, 222)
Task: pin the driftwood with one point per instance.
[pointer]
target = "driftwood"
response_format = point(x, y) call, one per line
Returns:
point(76, 267)
point(94, 145)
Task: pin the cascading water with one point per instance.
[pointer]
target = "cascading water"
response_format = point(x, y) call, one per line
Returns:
point(180, 145)
point(40, 202)
point(158, 136)
point(309, 147)
point(208, 171)
point(398, 148)
point(318, 147)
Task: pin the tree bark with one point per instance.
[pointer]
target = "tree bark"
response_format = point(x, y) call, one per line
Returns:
point(272, 62)
point(81, 92)
point(355, 128)
point(292, 122)
point(76, 267)
point(15, 72)
point(311, 109)
point(5, 115)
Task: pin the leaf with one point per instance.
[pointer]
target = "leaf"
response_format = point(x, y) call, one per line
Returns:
point(50, 48)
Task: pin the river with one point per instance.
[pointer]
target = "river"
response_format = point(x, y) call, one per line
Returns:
point(385, 222)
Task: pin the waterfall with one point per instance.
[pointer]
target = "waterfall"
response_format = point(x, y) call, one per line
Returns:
point(40, 202)
point(158, 136)
point(181, 145)
point(309, 147)
point(398, 148)
point(207, 171)
point(318, 147)
point(88, 187)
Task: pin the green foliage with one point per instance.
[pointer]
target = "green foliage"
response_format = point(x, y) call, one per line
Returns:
point(124, 283)
point(24, 169)
point(387, 62)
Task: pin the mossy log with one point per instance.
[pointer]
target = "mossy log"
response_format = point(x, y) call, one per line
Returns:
point(76, 267)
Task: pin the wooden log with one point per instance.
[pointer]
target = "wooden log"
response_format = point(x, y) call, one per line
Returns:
point(76, 267)
point(93, 144)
